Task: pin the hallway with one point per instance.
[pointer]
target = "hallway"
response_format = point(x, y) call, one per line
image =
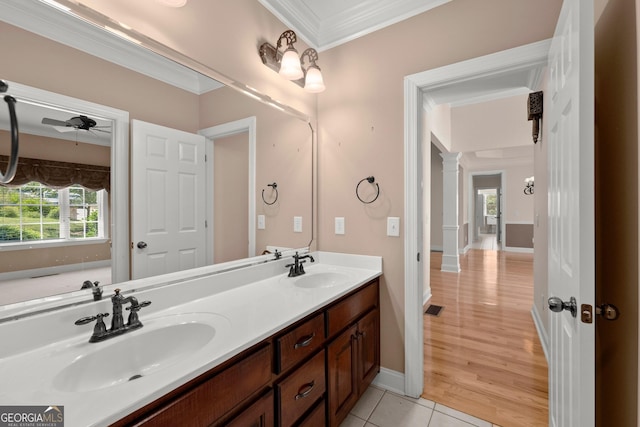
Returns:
point(482, 353)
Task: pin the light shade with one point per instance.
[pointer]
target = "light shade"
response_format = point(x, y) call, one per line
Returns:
point(313, 82)
point(290, 65)
point(173, 3)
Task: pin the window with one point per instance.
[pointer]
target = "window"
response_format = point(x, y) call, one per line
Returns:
point(491, 207)
point(35, 212)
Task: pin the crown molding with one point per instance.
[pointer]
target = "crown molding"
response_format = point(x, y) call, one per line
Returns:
point(63, 27)
point(350, 23)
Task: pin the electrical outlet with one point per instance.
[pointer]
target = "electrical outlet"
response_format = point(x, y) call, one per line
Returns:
point(393, 226)
point(261, 222)
point(339, 225)
point(297, 224)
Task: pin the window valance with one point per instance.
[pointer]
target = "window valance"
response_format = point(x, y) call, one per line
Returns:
point(56, 174)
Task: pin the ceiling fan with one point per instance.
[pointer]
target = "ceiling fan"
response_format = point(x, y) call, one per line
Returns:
point(76, 123)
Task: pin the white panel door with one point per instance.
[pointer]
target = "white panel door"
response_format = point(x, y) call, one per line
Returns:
point(570, 121)
point(167, 200)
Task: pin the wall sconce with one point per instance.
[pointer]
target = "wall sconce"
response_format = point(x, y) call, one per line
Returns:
point(528, 187)
point(534, 112)
point(289, 65)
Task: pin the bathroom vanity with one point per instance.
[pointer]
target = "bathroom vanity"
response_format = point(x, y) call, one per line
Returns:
point(325, 360)
point(248, 347)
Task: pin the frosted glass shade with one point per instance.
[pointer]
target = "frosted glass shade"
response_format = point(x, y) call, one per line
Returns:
point(173, 3)
point(290, 65)
point(313, 82)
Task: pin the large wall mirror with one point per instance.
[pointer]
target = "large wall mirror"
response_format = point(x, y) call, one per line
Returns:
point(75, 111)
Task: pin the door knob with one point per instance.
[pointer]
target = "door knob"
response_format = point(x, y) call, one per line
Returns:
point(557, 305)
point(141, 245)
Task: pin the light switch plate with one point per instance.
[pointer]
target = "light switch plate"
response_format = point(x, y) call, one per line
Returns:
point(393, 226)
point(297, 224)
point(261, 222)
point(339, 225)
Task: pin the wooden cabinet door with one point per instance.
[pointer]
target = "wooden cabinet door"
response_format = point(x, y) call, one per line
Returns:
point(341, 375)
point(368, 349)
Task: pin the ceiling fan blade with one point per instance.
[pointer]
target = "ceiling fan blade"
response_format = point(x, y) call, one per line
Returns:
point(65, 129)
point(53, 122)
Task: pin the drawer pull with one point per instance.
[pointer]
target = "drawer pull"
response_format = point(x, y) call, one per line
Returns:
point(304, 341)
point(309, 388)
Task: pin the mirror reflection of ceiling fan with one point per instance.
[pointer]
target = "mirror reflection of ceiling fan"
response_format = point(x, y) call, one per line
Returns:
point(76, 123)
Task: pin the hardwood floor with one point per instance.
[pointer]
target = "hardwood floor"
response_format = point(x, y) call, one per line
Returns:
point(482, 354)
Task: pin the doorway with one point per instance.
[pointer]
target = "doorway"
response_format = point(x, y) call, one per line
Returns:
point(529, 60)
point(486, 205)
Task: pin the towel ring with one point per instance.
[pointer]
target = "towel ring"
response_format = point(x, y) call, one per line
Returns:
point(275, 187)
point(13, 158)
point(370, 180)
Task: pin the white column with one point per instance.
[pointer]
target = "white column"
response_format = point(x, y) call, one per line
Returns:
point(450, 256)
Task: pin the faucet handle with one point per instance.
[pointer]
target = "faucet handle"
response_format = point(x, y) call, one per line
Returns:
point(138, 306)
point(89, 319)
point(133, 320)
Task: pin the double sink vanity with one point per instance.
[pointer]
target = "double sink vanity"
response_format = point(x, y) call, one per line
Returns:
point(222, 346)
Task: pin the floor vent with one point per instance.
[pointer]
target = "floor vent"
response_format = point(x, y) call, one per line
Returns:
point(434, 310)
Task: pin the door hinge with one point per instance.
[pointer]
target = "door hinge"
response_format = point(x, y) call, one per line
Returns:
point(206, 224)
point(205, 158)
point(418, 256)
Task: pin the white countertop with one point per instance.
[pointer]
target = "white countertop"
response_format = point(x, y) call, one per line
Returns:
point(246, 306)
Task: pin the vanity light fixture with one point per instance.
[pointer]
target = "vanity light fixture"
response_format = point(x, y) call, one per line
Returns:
point(291, 66)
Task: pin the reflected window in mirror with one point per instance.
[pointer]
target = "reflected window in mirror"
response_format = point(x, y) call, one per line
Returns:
point(35, 212)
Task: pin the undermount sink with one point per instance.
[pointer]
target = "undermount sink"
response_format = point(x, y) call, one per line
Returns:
point(322, 279)
point(160, 344)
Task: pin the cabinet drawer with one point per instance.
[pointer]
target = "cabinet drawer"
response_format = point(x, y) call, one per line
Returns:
point(205, 404)
point(299, 343)
point(317, 417)
point(300, 390)
point(349, 309)
point(260, 414)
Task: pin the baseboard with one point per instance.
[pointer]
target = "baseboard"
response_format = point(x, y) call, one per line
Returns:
point(465, 250)
point(435, 248)
point(58, 269)
point(542, 333)
point(515, 249)
point(425, 299)
point(390, 380)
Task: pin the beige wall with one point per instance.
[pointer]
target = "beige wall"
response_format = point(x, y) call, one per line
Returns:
point(361, 112)
point(436, 199)
point(223, 34)
point(284, 149)
point(361, 123)
point(44, 64)
point(490, 125)
point(231, 197)
point(519, 207)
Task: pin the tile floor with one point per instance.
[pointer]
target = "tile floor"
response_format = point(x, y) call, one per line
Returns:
point(382, 408)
